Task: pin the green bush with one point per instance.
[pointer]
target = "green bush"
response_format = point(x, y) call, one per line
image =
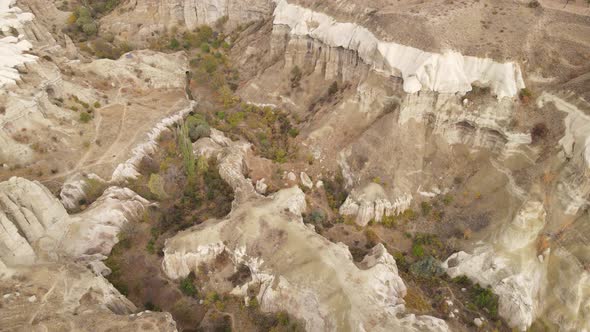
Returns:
point(447, 199)
point(209, 63)
point(280, 156)
point(205, 48)
point(235, 118)
point(200, 131)
point(85, 117)
point(426, 208)
point(427, 268)
point(417, 250)
point(409, 214)
point(316, 217)
point(388, 221)
point(335, 191)
point(188, 287)
point(174, 44)
point(150, 247)
point(156, 186)
point(293, 132)
point(90, 29)
point(485, 299)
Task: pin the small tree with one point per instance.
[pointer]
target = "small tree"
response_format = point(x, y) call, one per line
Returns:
point(90, 29)
point(333, 88)
point(85, 117)
point(186, 148)
point(174, 44)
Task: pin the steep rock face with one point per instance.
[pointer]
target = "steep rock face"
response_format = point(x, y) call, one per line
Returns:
point(517, 285)
point(28, 213)
point(144, 19)
point(530, 285)
point(37, 228)
point(295, 268)
point(446, 73)
point(43, 251)
point(573, 187)
point(424, 127)
point(70, 298)
point(14, 44)
point(411, 125)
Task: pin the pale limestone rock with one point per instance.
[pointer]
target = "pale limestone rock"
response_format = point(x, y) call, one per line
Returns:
point(231, 161)
point(52, 253)
point(478, 322)
point(74, 189)
point(573, 186)
point(12, 49)
point(518, 287)
point(48, 231)
point(305, 180)
point(261, 186)
point(376, 290)
point(128, 169)
point(139, 20)
point(371, 203)
point(291, 177)
point(450, 72)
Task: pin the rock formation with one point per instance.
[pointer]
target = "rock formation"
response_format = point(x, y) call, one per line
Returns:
point(293, 266)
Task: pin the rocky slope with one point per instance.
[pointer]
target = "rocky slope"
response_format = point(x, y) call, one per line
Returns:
point(294, 268)
point(412, 103)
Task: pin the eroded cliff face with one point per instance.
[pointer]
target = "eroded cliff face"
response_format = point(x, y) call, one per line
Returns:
point(403, 133)
point(50, 262)
point(403, 125)
point(139, 21)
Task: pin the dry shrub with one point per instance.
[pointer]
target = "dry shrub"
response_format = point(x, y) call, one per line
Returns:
point(467, 233)
point(539, 132)
point(372, 237)
point(21, 137)
point(415, 301)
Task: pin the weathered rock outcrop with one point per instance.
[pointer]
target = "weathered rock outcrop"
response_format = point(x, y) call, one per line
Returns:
point(446, 73)
point(70, 298)
point(294, 266)
point(13, 46)
point(47, 260)
point(526, 282)
point(36, 227)
point(573, 188)
point(145, 19)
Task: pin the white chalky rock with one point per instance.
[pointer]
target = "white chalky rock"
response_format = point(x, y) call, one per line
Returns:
point(305, 180)
point(291, 177)
point(261, 186)
point(450, 72)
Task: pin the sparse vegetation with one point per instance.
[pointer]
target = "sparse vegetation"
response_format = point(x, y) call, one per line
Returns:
point(426, 208)
point(525, 95)
point(295, 77)
point(335, 191)
point(85, 117)
point(187, 285)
